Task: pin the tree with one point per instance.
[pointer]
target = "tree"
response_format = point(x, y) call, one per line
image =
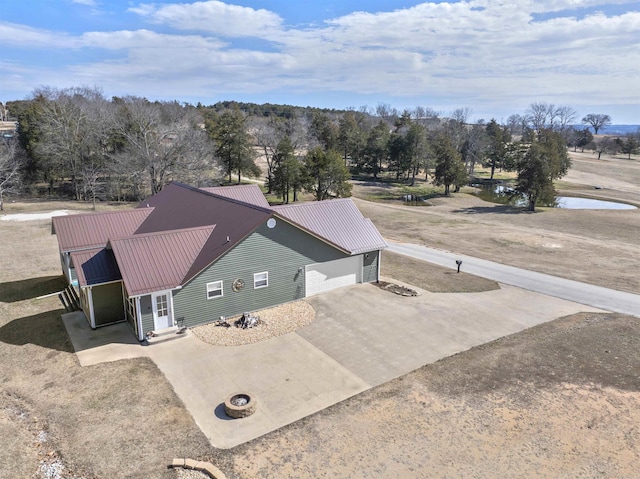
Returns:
point(629, 146)
point(69, 132)
point(606, 145)
point(497, 147)
point(449, 169)
point(540, 163)
point(268, 134)
point(376, 151)
point(232, 143)
point(325, 174)
point(583, 138)
point(323, 132)
point(162, 141)
point(474, 147)
point(541, 115)
point(351, 136)
point(597, 120)
point(287, 172)
point(11, 162)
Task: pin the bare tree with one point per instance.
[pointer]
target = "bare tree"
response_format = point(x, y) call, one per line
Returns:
point(269, 133)
point(69, 131)
point(566, 117)
point(164, 141)
point(11, 162)
point(387, 113)
point(597, 121)
point(541, 115)
point(516, 124)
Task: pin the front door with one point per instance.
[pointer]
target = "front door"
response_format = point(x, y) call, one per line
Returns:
point(161, 311)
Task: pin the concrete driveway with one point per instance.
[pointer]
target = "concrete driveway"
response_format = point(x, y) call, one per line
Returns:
point(362, 337)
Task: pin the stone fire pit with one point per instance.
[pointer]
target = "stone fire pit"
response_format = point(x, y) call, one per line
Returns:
point(239, 405)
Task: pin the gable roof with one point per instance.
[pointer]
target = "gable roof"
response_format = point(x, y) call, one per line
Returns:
point(251, 194)
point(336, 221)
point(158, 261)
point(93, 230)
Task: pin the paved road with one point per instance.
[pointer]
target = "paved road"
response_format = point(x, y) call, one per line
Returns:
point(583, 293)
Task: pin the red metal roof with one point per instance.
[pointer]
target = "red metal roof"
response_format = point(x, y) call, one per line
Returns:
point(337, 221)
point(158, 261)
point(251, 194)
point(93, 230)
point(95, 266)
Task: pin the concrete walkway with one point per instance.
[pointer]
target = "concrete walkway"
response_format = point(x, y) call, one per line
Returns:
point(362, 337)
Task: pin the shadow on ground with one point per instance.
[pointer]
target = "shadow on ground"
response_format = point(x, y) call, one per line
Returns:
point(44, 329)
point(498, 209)
point(13, 291)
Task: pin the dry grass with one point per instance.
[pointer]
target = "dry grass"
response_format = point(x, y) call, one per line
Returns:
point(113, 420)
point(593, 246)
point(431, 277)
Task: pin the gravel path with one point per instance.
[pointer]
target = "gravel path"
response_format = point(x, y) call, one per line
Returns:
point(276, 321)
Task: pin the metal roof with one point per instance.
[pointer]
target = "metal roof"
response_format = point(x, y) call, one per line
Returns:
point(337, 221)
point(178, 206)
point(93, 230)
point(95, 266)
point(251, 194)
point(158, 261)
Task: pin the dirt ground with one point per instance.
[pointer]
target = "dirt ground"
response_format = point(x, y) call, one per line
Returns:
point(558, 400)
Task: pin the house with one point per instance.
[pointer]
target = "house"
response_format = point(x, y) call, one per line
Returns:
point(190, 255)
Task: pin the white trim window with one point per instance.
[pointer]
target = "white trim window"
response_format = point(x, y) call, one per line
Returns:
point(214, 290)
point(261, 280)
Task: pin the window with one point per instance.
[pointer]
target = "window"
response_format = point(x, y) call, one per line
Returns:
point(162, 306)
point(260, 280)
point(214, 290)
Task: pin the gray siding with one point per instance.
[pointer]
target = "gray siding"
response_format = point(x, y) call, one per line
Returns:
point(146, 312)
point(370, 266)
point(281, 251)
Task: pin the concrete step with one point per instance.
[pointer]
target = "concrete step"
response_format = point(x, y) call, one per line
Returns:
point(168, 334)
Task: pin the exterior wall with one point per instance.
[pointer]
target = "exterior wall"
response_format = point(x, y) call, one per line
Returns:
point(370, 266)
point(108, 304)
point(146, 312)
point(282, 251)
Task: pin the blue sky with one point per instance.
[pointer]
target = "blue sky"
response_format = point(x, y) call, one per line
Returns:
point(493, 57)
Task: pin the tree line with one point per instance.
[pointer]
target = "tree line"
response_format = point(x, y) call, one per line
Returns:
point(77, 143)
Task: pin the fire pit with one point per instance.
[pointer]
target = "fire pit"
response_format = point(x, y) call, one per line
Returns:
point(239, 405)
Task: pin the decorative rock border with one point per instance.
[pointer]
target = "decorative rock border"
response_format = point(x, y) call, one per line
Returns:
point(236, 409)
point(397, 289)
point(206, 467)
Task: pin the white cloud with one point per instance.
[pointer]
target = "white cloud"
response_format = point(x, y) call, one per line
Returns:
point(477, 52)
point(212, 16)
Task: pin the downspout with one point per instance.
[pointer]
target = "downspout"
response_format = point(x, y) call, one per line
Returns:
point(379, 261)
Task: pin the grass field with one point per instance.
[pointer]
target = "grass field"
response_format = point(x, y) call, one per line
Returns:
point(558, 400)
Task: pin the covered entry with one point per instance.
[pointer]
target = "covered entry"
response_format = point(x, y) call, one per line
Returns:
point(321, 277)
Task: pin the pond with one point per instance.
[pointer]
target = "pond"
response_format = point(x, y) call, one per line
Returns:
point(504, 195)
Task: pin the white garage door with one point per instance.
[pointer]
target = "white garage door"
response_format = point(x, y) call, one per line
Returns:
point(321, 277)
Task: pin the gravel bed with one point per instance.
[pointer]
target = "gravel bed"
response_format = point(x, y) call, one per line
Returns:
point(275, 321)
